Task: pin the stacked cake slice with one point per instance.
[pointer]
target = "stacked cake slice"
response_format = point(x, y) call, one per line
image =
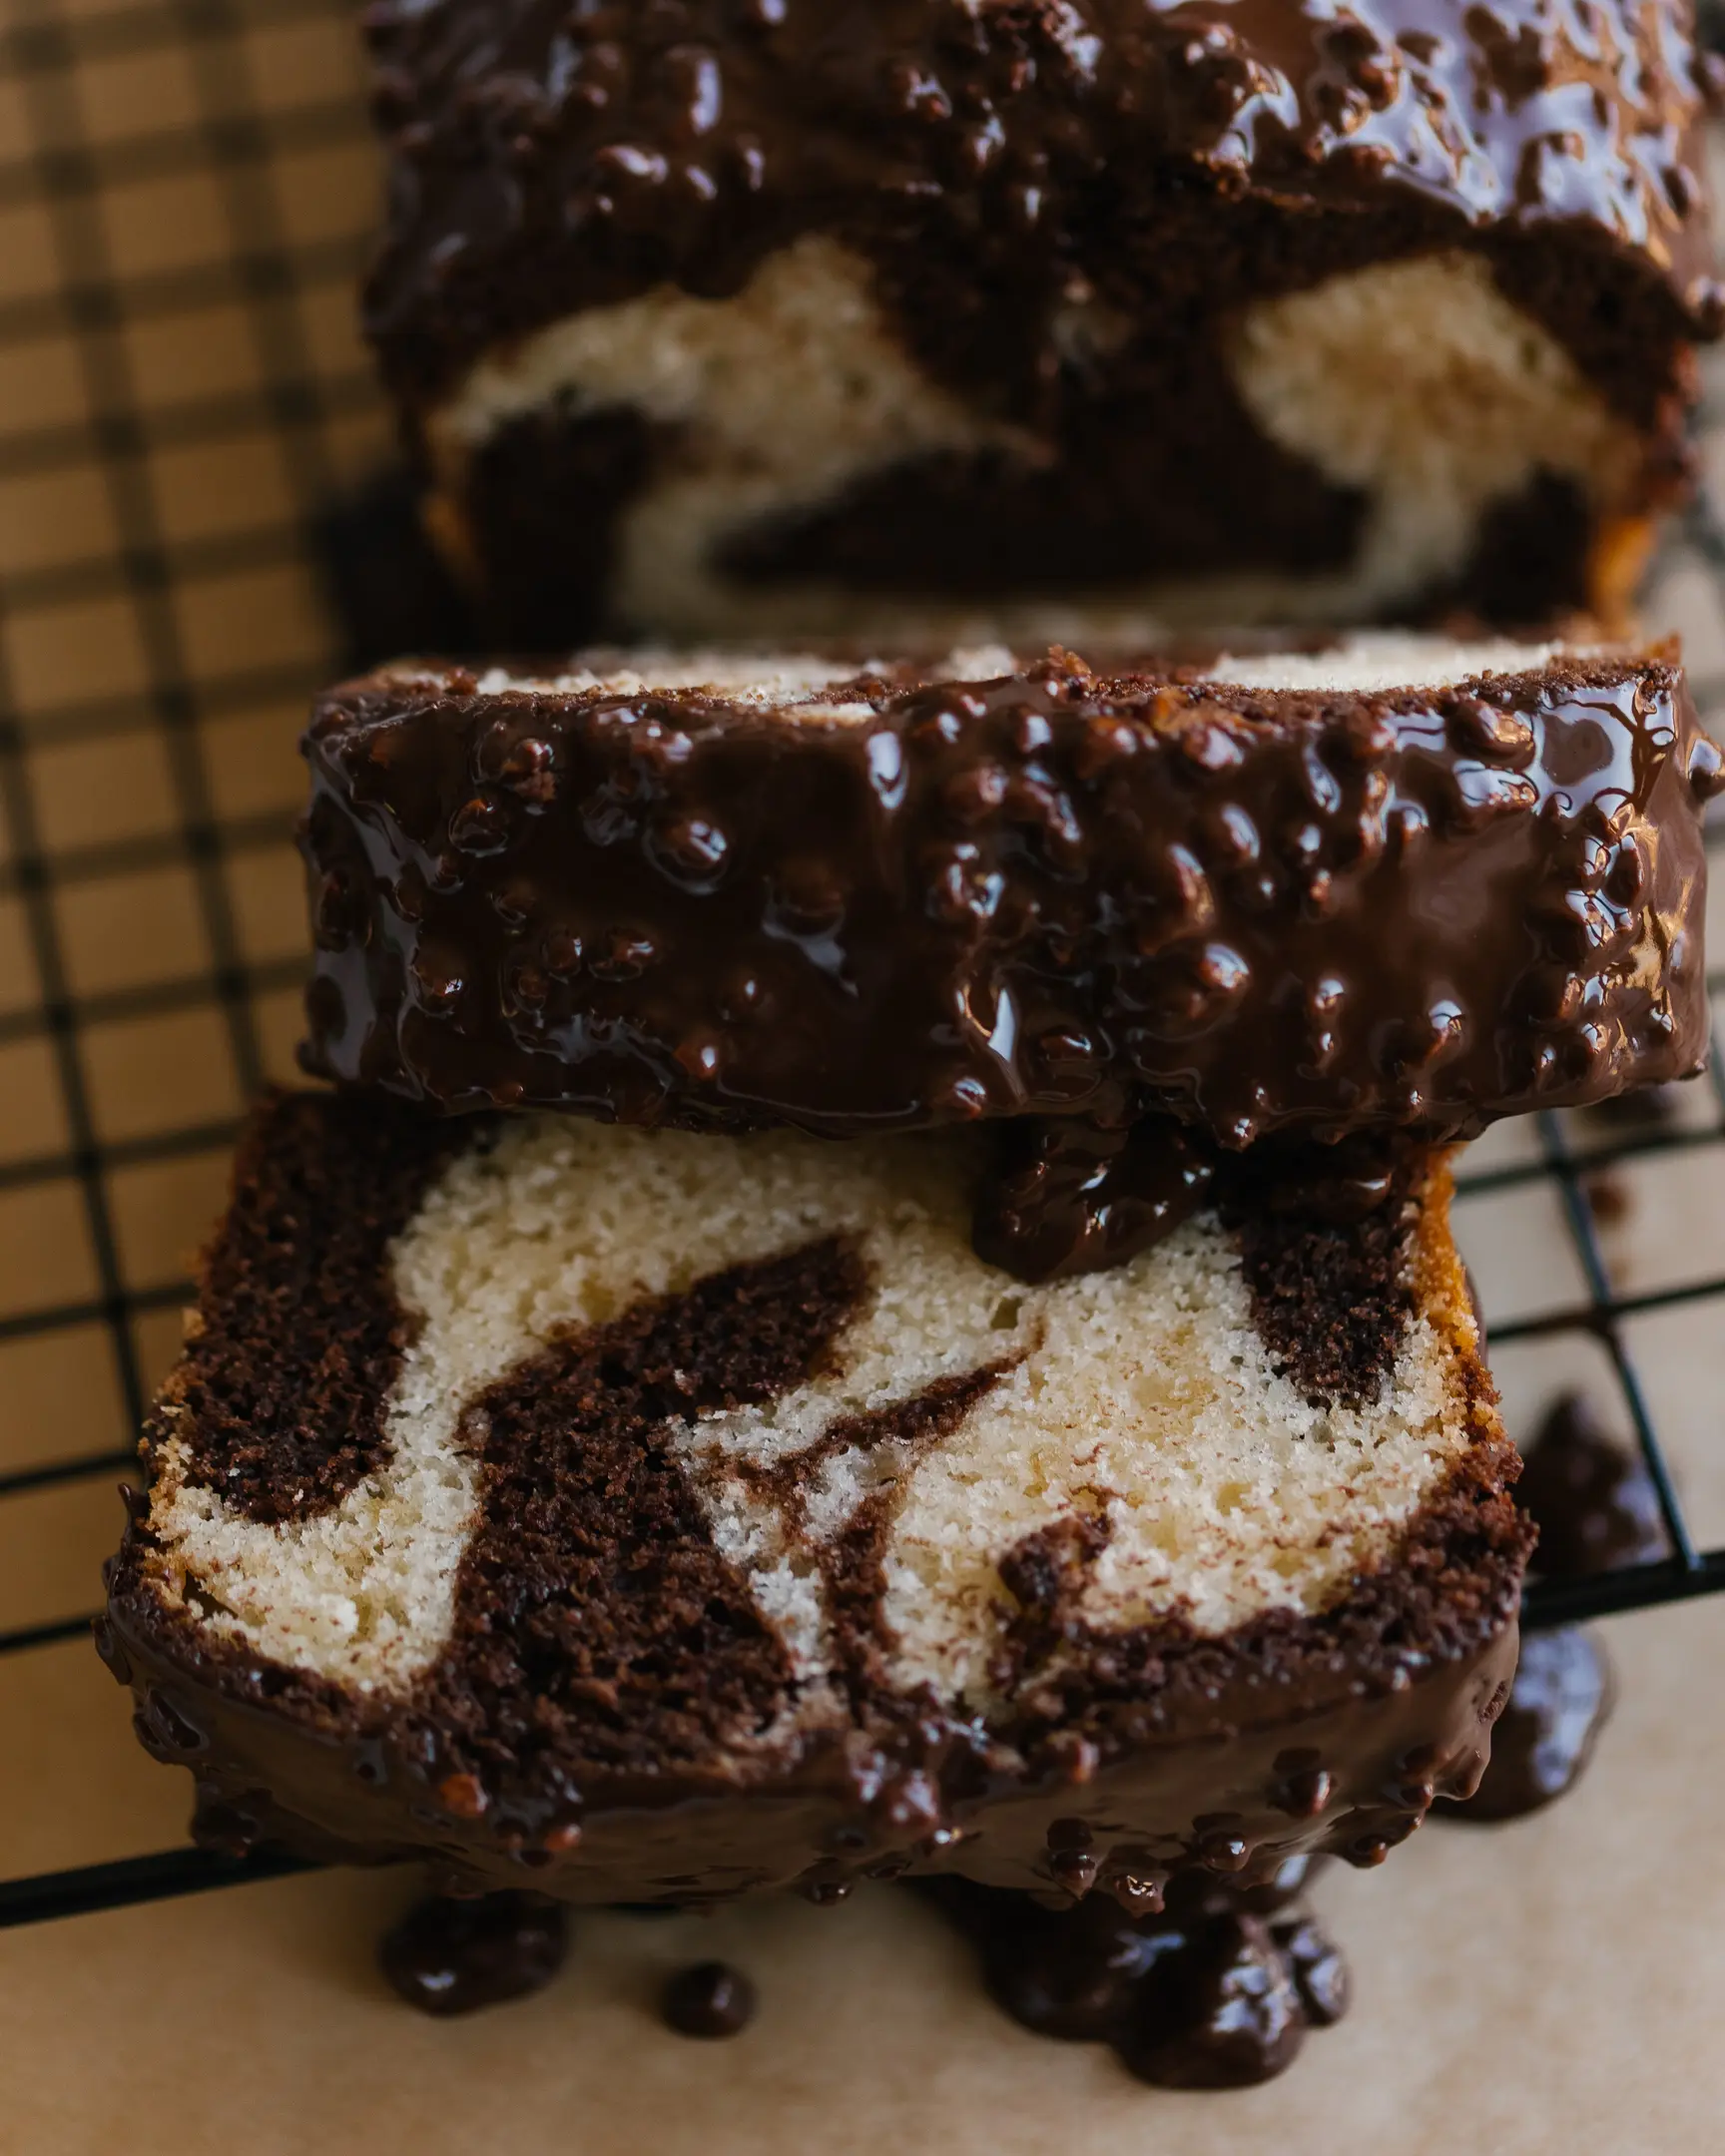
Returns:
point(874, 1294)
point(653, 1513)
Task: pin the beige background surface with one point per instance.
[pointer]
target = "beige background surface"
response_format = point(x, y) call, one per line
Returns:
point(184, 193)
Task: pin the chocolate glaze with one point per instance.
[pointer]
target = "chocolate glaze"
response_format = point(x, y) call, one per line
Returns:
point(1595, 1507)
point(989, 158)
point(613, 1720)
point(1215, 1991)
point(1052, 894)
point(711, 1999)
point(449, 1957)
point(1070, 1195)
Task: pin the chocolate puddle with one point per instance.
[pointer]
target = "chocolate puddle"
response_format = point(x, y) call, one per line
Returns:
point(449, 1957)
point(1215, 1991)
point(1595, 1507)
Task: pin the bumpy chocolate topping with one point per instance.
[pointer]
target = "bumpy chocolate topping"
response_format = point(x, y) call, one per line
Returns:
point(1217, 1990)
point(449, 1957)
point(614, 1718)
point(989, 158)
point(1049, 893)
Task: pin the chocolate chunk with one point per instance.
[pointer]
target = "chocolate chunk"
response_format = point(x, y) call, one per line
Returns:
point(711, 1999)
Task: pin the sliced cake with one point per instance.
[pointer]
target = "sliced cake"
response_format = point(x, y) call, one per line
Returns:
point(1391, 881)
point(650, 1516)
point(788, 318)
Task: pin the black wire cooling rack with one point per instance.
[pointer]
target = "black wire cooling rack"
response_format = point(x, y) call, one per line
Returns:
point(185, 192)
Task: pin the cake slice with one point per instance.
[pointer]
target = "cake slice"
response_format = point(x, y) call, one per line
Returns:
point(1389, 881)
point(651, 1517)
point(755, 320)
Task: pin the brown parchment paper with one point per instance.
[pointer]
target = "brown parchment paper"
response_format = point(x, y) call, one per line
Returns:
point(184, 195)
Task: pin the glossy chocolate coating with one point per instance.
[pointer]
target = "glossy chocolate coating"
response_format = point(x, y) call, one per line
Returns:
point(1048, 894)
point(987, 155)
point(1346, 1758)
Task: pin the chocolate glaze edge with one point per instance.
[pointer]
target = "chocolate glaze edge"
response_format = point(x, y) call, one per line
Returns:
point(656, 909)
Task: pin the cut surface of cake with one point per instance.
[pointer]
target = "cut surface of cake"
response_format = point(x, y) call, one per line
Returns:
point(1389, 881)
point(754, 320)
point(642, 1515)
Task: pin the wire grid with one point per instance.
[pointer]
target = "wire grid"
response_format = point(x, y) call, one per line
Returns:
point(186, 190)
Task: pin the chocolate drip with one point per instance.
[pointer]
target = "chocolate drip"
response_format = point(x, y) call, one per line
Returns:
point(1595, 1506)
point(1076, 1196)
point(1217, 1990)
point(711, 2000)
point(1540, 1745)
point(449, 1957)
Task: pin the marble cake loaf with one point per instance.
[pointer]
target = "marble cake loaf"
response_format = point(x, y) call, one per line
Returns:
point(649, 1516)
point(784, 319)
point(1395, 882)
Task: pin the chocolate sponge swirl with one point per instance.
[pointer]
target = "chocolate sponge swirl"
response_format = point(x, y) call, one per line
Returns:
point(722, 896)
